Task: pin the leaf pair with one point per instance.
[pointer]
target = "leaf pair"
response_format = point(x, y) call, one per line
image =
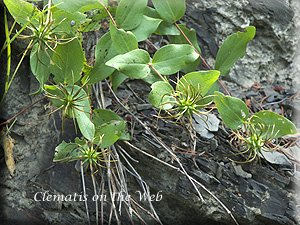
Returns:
point(235, 113)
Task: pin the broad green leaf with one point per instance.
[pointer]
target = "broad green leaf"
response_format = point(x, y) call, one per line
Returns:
point(71, 20)
point(133, 64)
point(152, 77)
point(146, 27)
point(272, 125)
point(109, 125)
point(40, 64)
point(67, 152)
point(172, 58)
point(160, 96)
point(180, 39)
point(200, 80)
point(211, 91)
point(130, 13)
point(116, 79)
point(164, 28)
point(67, 62)
point(233, 48)
point(234, 112)
point(79, 5)
point(22, 11)
point(104, 52)
point(123, 41)
point(170, 10)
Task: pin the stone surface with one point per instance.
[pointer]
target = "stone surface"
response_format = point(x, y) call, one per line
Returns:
point(269, 57)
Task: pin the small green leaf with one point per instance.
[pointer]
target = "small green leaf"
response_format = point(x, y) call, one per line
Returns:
point(234, 112)
point(152, 78)
point(180, 39)
point(170, 10)
point(201, 80)
point(233, 48)
point(116, 79)
point(67, 152)
point(79, 5)
point(172, 58)
point(22, 11)
point(164, 28)
point(104, 52)
point(160, 95)
point(109, 125)
point(67, 62)
point(130, 13)
point(71, 20)
point(123, 41)
point(133, 64)
point(39, 63)
point(274, 125)
point(146, 27)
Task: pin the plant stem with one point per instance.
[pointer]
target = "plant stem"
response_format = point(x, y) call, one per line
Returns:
point(112, 19)
point(84, 194)
point(200, 56)
point(8, 121)
point(157, 73)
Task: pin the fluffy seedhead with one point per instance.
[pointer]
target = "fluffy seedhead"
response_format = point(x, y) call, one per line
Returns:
point(252, 140)
point(187, 100)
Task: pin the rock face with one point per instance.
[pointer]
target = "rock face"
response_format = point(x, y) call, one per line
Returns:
point(269, 57)
point(254, 194)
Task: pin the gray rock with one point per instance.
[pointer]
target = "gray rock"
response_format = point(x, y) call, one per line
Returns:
point(268, 55)
point(276, 157)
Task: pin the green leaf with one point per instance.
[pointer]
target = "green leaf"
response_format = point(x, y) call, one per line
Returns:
point(201, 80)
point(67, 152)
point(22, 11)
point(116, 79)
point(79, 5)
point(234, 112)
point(180, 39)
point(172, 58)
point(273, 125)
point(146, 27)
point(108, 124)
point(67, 62)
point(123, 41)
point(95, 21)
point(133, 64)
point(130, 13)
point(39, 63)
point(164, 28)
point(80, 111)
point(170, 10)
point(71, 20)
point(233, 48)
point(160, 95)
point(152, 77)
point(104, 52)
